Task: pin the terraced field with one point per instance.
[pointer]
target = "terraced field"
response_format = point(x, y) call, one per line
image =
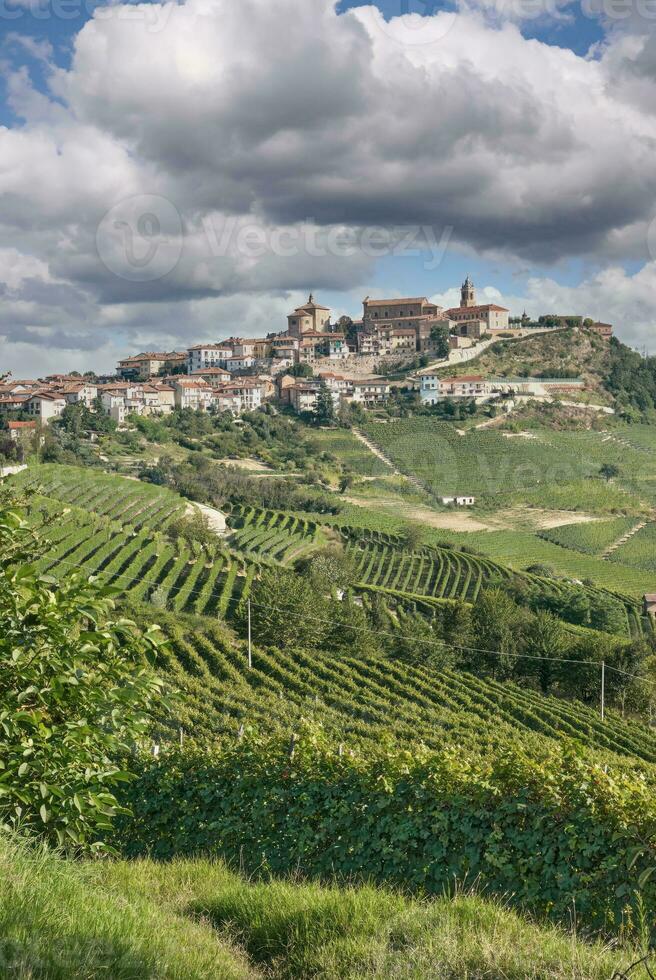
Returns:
point(592, 538)
point(521, 549)
point(273, 535)
point(439, 573)
point(639, 550)
point(355, 700)
point(92, 531)
point(349, 449)
point(126, 502)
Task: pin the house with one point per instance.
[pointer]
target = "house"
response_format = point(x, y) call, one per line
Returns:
point(207, 355)
point(310, 318)
point(649, 604)
point(192, 393)
point(458, 501)
point(17, 429)
point(45, 406)
point(79, 393)
point(434, 388)
point(214, 376)
point(302, 395)
point(603, 330)
point(149, 364)
point(13, 403)
point(246, 394)
point(234, 363)
point(370, 391)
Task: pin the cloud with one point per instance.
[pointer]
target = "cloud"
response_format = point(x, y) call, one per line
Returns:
point(298, 129)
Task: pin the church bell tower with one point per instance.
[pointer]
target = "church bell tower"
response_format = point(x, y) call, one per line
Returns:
point(467, 295)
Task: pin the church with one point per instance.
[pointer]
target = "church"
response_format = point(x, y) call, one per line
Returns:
point(473, 320)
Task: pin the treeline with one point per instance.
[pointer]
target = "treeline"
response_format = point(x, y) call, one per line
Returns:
point(506, 634)
point(198, 478)
point(632, 380)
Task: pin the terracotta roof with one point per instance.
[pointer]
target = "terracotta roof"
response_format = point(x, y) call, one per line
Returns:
point(21, 425)
point(210, 370)
point(477, 309)
point(223, 346)
point(397, 302)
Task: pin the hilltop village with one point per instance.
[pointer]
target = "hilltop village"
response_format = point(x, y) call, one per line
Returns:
point(350, 360)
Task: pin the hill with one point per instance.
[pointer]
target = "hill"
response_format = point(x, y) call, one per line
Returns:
point(569, 353)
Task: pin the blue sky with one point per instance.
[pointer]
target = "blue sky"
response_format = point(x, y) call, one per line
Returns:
point(538, 157)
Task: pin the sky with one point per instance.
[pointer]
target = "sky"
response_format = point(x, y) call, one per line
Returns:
point(172, 173)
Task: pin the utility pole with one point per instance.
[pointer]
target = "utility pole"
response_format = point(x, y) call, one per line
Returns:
point(250, 645)
point(603, 688)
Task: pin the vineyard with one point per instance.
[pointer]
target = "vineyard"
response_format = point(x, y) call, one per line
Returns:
point(349, 450)
point(272, 535)
point(590, 538)
point(141, 561)
point(355, 700)
point(542, 468)
point(522, 549)
point(133, 503)
point(639, 550)
point(441, 573)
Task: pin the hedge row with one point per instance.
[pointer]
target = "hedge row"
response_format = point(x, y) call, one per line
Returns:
point(555, 836)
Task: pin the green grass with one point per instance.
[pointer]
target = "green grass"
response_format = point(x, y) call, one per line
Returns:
point(591, 538)
point(348, 449)
point(196, 920)
point(58, 922)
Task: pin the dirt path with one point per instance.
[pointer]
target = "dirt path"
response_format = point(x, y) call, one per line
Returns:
point(625, 537)
point(373, 448)
point(215, 519)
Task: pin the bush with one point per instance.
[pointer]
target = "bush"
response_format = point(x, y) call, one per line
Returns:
point(549, 834)
point(74, 695)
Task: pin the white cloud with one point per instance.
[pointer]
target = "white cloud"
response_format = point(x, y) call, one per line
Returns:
point(283, 117)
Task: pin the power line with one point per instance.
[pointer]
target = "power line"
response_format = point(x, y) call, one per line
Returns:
point(385, 633)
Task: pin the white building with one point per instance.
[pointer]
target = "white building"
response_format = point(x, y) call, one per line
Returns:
point(207, 355)
point(192, 393)
point(242, 363)
point(434, 388)
point(458, 501)
point(45, 406)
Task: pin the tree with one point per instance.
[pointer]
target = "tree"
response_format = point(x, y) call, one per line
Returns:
point(439, 336)
point(301, 371)
point(609, 471)
point(75, 694)
point(418, 643)
point(412, 536)
point(544, 638)
point(350, 632)
point(324, 413)
point(287, 610)
point(329, 569)
point(346, 482)
point(497, 624)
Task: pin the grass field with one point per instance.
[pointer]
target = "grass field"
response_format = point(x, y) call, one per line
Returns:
point(196, 920)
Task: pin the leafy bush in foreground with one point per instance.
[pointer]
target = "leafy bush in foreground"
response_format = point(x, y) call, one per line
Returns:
point(553, 835)
point(74, 694)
